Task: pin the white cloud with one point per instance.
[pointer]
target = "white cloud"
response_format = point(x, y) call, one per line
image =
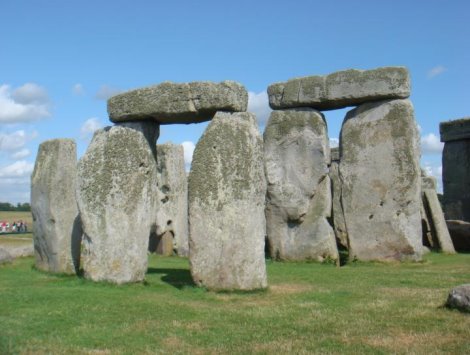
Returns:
point(438, 70)
point(430, 144)
point(89, 127)
point(27, 103)
point(106, 91)
point(19, 169)
point(188, 148)
point(13, 141)
point(436, 171)
point(21, 154)
point(78, 90)
point(334, 142)
point(258, 103)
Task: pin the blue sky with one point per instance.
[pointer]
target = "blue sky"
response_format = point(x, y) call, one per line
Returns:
point(60, 60)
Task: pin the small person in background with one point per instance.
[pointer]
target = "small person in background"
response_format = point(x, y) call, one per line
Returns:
point(13, 227)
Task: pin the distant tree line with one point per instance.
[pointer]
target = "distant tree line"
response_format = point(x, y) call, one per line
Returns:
point(20, 207)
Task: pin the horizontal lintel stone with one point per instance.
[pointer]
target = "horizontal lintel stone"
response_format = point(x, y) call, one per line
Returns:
point(341, 89)
point(169, 103)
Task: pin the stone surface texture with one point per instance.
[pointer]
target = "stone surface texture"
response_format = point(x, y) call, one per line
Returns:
point(298, 202)
point(178, 103)
point(460, 234)
point(455, 130)
point(117, 198)
point(456, 179)
point(56, 224)
point(380, 175)
point(438, 223)
point(459, 298)
point(227, 191)
point(172, 215)
point(341, 89)
point(339, 224)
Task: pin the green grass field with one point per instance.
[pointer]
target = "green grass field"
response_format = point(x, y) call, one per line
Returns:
point(309, 308)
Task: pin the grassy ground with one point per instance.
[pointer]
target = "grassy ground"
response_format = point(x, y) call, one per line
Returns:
point(309, 308)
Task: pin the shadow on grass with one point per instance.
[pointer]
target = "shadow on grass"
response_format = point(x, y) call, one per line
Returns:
point(178, 278)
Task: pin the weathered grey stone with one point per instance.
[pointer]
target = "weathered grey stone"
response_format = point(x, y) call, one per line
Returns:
point(380, 176)
point(456, 179)
point(459, 298)
point(339, 224)
point(455, 130)
point(172, 215)
point(150, 130)
point(341, 89)
point(334, 153)
point(117, 198)
point(298, 199)
point(460, 234)
point(429, 238)
point(428, 182)
point(227, 191)
point(178, 103)
point(56, 224)
point(438, 223)
point(5, 256)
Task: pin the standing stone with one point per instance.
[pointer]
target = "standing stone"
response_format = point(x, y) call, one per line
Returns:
point(381, 189)
point(299, 193)
point(56, 224)
point(116, 194)
point(460, 234)
point(227, 191)
point(456, 168)
point(438, 223)
point(172, 216)
point(339, 225)
point(341, 89)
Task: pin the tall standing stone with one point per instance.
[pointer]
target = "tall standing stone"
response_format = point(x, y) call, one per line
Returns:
point(172, 216)
point(456, 168)
point(227, 191)
point(299, 193)
point(116, 194)
point(56, 224)
point(380, 174)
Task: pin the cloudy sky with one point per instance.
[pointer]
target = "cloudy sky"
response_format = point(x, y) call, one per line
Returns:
point(61, 60)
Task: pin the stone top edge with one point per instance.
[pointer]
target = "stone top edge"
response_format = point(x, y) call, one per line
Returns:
point(456, 122)
point(177, 84)
point(455, 130)
point(349, 70)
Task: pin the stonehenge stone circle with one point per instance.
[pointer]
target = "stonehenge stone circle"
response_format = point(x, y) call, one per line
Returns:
point(56, 224)
point(168, 102)
point(298, 200)
point(117, 198)
point(456, 168)
point(380, 175)
point(227, 191)
point(341, 89)
point(172, 215)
